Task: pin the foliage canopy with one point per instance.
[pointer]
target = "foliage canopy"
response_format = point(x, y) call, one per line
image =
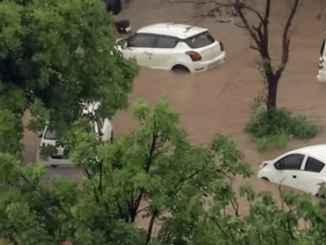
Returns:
point(53, 56)
point(155, 170)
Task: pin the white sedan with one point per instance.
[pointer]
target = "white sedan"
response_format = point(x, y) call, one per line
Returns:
point(171, 46)
point(303, 169)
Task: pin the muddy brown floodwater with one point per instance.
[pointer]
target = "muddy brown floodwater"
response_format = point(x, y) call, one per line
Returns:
point(219, 100)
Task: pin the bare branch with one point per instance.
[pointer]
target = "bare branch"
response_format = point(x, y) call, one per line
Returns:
point(286, 40)
point(193, 1)
point(254, 48)
point(259, 31)
point(240, 26)
point(238, 8)
point(267, 11)
point(220, 5)
point(252, 10)
point(143, 209)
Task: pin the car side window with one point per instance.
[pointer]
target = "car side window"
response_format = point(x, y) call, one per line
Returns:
point(313, 165)
point(142, 41)
point(166, 42)
point(290, 162)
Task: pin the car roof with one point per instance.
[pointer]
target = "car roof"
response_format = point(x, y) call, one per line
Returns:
point(314, 150)
point(172, 29)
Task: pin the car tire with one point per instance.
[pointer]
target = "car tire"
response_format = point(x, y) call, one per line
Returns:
point(180, 69)
point(265, 179)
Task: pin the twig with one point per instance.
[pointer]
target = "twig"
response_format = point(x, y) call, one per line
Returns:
point(143, 209)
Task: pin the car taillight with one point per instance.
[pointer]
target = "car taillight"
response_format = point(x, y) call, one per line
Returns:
point(194, 55)
point(321, 64)
point(222, 46)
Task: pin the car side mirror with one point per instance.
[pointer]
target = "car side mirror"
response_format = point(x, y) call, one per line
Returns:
point(40, 135)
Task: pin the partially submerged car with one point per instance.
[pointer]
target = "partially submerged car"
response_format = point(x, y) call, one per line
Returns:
point(302, 169)
point(172, 46)
point(49, 137)
point(321, 77)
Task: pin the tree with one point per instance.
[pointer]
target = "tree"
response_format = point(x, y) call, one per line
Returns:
point(156, 165)
point(260, 36)
point(54, 58)
point(187, 188)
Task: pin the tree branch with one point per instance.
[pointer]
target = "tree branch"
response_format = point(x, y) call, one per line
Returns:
point(254, 48)
point(120, 209)
point(238, 7)
point(221, 5)
point(259, 32)
point(286, 41)
point(143, 209)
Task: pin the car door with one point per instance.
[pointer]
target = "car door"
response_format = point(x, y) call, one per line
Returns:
point(163, 56)
point(140, 46)
point(287, 170)
point(311, 177)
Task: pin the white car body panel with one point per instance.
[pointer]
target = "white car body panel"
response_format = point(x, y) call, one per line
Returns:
point(167, 58)
point(142, 55)
point(300, 179)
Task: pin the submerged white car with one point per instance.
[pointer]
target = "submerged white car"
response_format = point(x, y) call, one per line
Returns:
point(171, 46)
point(303, 169)
point(321, 77)
point(49, 137)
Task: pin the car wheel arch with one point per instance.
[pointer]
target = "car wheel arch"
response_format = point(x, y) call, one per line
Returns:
point(180, 67)
point(265, 179)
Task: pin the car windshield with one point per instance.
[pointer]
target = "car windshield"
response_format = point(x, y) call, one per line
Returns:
point(50, 135)
point(200, 40)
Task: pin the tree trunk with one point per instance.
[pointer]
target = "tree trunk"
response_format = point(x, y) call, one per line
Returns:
point(272, 91)
point(150, 227)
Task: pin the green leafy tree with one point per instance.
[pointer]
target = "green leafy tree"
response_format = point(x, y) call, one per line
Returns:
point(155, 165)
point(187, 188)
point(53, 56)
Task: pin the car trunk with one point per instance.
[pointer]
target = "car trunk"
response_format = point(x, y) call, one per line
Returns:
point(204, 44)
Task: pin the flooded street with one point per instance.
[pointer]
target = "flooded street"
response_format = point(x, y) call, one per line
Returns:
point(219, 100)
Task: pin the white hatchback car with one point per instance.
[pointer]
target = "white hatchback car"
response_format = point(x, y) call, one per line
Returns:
point(49, 137)
point(303, 169)
point(321, 77)
point(171, 46)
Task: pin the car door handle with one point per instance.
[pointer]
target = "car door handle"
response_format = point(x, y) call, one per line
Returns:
point(294, 176)
point(148, 53)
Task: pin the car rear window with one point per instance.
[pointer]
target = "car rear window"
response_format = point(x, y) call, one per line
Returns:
point(313, 165)
point(200, 40)
point(50, 135)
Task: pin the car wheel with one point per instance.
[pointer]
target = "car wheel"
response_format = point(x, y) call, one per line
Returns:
point(180, 69)
point(265, 179)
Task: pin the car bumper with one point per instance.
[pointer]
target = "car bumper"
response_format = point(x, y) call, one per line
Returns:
point(321, 77)
point(260, 175)
point(49, 161)
point(203, 66)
